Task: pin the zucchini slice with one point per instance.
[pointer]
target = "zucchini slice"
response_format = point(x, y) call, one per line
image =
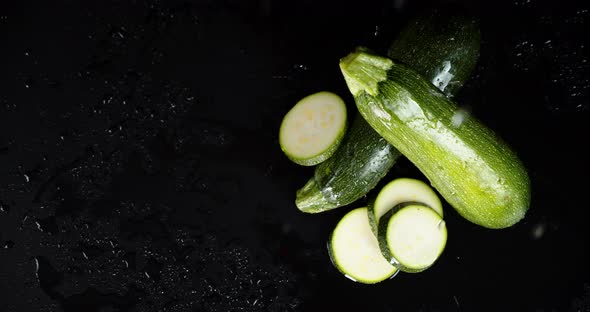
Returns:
point(313, 129)
point(412, 236)
point(355, 252)
point(399, 191)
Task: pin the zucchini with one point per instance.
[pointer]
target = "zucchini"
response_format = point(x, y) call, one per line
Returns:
point(412, 236)
point(472, 168)
point(355, 252)
point(364, 157)
point(356, 167)
point(313, 129)
point(442, 46)
point(398, 191)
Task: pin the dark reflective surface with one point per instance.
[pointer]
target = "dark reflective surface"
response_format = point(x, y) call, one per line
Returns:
point(140, 168)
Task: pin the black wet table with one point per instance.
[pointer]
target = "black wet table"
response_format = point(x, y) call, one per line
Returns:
point(140, 168)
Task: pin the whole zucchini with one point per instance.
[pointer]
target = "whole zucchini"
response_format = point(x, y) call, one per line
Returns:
point(364, 157)
point(477, 173)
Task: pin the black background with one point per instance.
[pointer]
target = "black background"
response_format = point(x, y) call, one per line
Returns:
point(140, 168)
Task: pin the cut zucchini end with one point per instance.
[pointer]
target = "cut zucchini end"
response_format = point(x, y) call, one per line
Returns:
point(363, 71)
point(415, 236)
point(313, 129)
point(309, 199)
point(354, 250)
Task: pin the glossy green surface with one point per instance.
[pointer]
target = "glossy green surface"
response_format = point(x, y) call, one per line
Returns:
point(364, 157)
point(362, 160)
point(478, 174)
point(443, 47)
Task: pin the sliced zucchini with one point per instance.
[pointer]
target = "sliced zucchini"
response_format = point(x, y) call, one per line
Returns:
point(355, 252)
point(412, 236)
point(313, 129)
point(399, 191)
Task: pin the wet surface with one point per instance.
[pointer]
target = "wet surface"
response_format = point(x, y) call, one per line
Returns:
point(140, 168)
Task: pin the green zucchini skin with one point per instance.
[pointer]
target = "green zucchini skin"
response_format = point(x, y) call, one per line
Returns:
point(364, 157)
point(442, 46)
point(472, 168)
point(362, 160)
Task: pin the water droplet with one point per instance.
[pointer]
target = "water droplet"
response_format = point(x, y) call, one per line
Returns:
point(47, 225)
point(119, 34)
point(538, 230)
point(300, 66)
point(458, 118)
point(36, 267)
point(27, 179)
point(4, 207)
point(8, 244)
point(107, 99)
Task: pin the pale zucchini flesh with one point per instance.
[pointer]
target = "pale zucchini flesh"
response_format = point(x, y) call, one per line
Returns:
point(412, 236)
point(398, 191)
point(313, 129)
point(355, 252)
